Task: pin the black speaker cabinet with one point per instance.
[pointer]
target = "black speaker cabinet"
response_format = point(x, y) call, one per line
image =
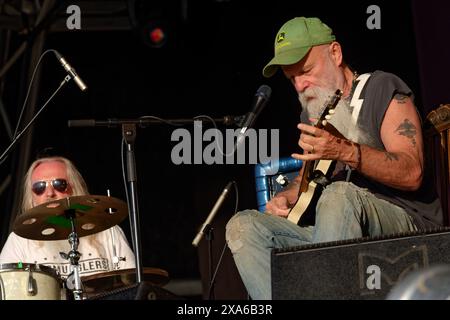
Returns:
point(365, 268)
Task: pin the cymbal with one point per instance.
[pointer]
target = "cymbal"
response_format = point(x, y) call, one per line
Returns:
point(106, 281)
point(50, 221)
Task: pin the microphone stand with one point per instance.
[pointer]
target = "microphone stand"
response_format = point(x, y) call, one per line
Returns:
point(144, 122)
point(129, 136)
point(209, 235)
point(19, 135)
point(207, 230)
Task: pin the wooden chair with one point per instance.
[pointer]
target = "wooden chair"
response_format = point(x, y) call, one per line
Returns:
point(437, 148)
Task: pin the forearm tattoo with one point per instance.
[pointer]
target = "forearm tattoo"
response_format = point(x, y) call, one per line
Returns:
point(401, 98)
point(391, 156)
point(408, 129)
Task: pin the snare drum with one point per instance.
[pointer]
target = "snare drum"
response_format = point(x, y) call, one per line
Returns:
point(25, 281)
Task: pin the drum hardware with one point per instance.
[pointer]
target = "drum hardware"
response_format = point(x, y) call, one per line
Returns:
point(31, 286)
point(2, 289)
point(73, 256)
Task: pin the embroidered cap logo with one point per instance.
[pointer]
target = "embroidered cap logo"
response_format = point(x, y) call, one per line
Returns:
point(280, 37)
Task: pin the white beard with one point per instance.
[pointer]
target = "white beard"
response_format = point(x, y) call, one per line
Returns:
point(314, 101)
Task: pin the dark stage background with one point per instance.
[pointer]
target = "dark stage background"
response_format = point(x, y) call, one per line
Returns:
point(211, 64)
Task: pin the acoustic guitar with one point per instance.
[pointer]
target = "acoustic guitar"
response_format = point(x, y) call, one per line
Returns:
point(315, 173)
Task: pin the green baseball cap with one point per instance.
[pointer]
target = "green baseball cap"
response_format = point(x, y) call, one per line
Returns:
point(294, 40)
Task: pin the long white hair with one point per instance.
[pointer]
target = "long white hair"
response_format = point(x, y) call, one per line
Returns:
point(75, 180)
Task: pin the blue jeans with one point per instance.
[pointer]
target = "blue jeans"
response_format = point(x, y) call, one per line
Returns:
point(344, 211)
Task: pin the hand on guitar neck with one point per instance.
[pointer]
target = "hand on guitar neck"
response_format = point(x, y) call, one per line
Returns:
point(325, 144)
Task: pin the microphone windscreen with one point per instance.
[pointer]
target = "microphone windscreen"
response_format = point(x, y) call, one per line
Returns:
point(264, 91)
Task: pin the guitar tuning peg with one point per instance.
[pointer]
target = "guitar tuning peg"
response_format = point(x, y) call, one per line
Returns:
point(324, 122)
point(328, 117)
point(332, 111)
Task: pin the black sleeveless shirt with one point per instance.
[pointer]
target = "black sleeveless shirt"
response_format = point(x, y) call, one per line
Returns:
point(423, 205)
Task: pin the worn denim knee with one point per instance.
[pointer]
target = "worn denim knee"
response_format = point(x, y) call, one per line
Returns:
point(251, 236)
point(346, 211)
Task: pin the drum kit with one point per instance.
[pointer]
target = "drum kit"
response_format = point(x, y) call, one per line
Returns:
point(68, 219)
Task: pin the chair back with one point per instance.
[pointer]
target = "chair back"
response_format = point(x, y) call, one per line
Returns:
point(437, 151)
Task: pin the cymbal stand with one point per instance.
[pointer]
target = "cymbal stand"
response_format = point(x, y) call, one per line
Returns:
point(74, 256)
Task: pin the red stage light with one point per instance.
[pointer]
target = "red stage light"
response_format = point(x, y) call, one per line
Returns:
point(157, 36)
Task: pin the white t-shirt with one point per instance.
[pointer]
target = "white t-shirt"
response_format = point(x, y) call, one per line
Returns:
point(97, 252)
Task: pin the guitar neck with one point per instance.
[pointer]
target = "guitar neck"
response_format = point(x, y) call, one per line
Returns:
point(309, 165)
point(307, 169)
point(309, 189)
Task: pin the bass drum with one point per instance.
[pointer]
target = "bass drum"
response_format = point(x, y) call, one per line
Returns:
point(25, 281)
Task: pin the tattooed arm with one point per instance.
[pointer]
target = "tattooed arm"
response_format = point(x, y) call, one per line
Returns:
point(401, 166)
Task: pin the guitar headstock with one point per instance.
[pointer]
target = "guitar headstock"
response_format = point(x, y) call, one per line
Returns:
point(329, 109)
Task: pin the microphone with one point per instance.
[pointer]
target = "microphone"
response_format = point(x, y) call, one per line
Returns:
point(211, 215)
point(262, 96)
point(71, 71)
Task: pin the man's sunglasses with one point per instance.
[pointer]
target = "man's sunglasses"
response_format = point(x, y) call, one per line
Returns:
point(59, 185)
